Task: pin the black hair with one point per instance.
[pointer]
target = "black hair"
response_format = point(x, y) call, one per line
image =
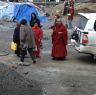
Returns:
point(33, 20)
point(23, 22)
point(34, 16)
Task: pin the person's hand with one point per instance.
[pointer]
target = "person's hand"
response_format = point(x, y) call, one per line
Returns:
point(21, 45)
point(35, 49)
point(39, 40)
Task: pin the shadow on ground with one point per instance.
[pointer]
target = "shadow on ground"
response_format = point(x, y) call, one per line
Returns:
point(86, 59)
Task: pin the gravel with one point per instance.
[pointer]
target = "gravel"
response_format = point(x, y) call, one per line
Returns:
point(12, 83)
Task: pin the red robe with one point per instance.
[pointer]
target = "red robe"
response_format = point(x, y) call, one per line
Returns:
point(71, 12)
point(38, 36)
point(59, 41)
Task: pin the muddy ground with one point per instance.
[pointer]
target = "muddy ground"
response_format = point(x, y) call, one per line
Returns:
point(74, 76)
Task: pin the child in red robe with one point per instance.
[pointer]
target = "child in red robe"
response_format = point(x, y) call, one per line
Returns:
point(38, 37)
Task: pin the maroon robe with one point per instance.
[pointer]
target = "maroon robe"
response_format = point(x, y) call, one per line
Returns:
point(71, 12)
point(59, 41)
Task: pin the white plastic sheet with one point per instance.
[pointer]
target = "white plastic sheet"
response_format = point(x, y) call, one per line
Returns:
point(6, 11)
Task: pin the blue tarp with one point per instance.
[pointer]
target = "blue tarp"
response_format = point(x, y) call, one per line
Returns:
point(25, 10)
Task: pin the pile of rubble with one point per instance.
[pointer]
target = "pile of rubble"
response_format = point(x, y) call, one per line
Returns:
point(52, 9)
point(79, 7)
point(85, 7)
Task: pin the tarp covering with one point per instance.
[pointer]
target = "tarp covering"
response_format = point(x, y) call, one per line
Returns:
point(6, 11)
point(17, 11)
point(25, 11)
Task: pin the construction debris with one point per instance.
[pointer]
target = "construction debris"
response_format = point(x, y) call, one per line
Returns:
point(85, 7)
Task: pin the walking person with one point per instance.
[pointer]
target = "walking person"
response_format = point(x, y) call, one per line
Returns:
point(38, 37)
point(27, 41)
point(66, 5)
point(16, 38)
point(59, 41)
point(70, 17)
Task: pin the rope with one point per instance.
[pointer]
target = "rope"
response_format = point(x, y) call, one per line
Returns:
point(5, 53)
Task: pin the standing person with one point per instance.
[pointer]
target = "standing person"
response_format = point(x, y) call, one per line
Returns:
point(27, 40)
point(38, 37)
point(66, 5)
point(16, 38)
point(55, 19)
point(34, 20)
point(59, 40)
point(70, 17)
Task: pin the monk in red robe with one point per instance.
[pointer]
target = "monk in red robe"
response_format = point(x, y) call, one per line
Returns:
point(70, 17)
point(38, 37)
point(59, 40)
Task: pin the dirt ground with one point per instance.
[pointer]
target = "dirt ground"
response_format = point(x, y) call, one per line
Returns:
point(12, 83)
point(74, 76)
point(79, 7)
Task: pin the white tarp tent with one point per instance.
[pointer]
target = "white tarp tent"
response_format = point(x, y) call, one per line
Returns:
point(6, 10)
point(17, 11)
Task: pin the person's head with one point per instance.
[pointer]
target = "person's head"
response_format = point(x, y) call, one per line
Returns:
point(58, 13)
point(57, 16)
point(33, 16)
point(58, 21)
point(23, 22)
point(36, 25)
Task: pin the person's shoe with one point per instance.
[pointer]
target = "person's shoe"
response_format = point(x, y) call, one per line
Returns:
point(26, 64)
point(18, 55)
point(20, 63)
point(34, 62)
point(37, 56)
point(23, 63)
point(53, 58)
